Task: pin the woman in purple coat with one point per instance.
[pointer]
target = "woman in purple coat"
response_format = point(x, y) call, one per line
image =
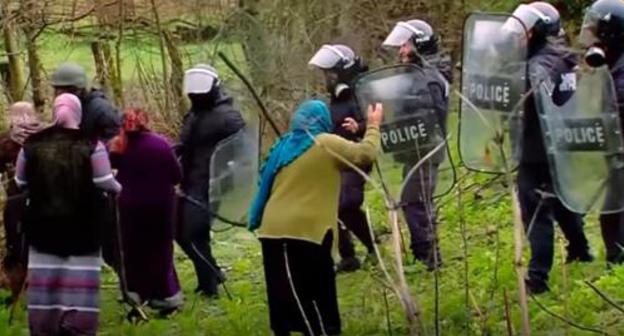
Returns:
point(148, 171)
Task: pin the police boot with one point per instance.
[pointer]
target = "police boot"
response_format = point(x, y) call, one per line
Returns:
point(615, 260)
point(583, 257)
point(347, 265)
point(536, 287)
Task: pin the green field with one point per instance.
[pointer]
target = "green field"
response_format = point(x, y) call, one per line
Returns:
point(59, 48)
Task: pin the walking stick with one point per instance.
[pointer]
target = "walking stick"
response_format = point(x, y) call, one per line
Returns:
point(209, 212)
point(136, 313)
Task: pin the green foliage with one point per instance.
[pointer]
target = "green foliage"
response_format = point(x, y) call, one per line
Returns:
point(361, 294)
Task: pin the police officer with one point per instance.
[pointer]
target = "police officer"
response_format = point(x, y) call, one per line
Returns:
point(539, 206)
point(340, 66)
point(603, 34)
point(100, 119)
point(212, 118)
point(419, 44)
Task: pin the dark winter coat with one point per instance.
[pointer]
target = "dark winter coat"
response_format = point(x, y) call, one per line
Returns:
point(203, 128)
point(617, 72)
point(554, 58)
point(342, 107)
point(100, 119)
point(9, 150)
point(438, 71)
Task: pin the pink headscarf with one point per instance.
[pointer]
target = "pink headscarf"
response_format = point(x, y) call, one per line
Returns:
point(23, 121)
point(67, 111)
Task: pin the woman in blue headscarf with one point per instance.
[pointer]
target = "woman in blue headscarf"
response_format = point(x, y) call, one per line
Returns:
point(295, 212)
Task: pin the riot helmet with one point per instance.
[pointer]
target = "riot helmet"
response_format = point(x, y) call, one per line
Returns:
point(537, 20)
point(414, 37)
point(603, 32)
point(201, 85)
point(340, 66)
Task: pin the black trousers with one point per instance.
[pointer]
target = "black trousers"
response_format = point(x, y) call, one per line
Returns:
point(612, 228)
point(419, 210)
point(193, 236)
point(307, 269)
point(539, 213)
point(351, 215)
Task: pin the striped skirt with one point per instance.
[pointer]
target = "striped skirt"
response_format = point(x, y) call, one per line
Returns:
point(63, 294)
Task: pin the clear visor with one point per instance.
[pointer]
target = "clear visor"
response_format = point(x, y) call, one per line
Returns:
point(326, 58)
point(523, 20)
point(199, 81)
point(398, 36)
point(589, 36)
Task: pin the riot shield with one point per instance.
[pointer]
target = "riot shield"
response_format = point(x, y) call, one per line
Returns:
point(493, 84)
point(413, 127)
point(234, 176)
point(583, 138)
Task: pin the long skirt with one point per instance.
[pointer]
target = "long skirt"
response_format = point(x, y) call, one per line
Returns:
point(148, 235)
point(63, 294)
point(301, 287)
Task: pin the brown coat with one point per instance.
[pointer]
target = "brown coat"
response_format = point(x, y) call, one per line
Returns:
point(13, 265)
point(9, 150)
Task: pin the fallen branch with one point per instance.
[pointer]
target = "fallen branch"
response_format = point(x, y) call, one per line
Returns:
point(566, 321)
point(605, 297)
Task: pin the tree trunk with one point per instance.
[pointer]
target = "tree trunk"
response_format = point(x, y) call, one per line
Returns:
point(118, 83)
point(163, 55)
point(101, 70)
point(177, 74)
point(114, 83)
point(37, 80)
point(16, 81)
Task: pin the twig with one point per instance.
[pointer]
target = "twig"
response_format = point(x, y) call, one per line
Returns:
point(462, 226)
point(253, 91)
point(387, 307)
point(76, 18)
point(163, 56)
point(215, 271)
point(119, 82)
point(564, 279)
point(605, 297)
point(518, 238)
point(507, 313)
point(380, 260)
point(294, 291)
point(494, 281)
point(412, 312)
point(475, 304)
point(563, 319)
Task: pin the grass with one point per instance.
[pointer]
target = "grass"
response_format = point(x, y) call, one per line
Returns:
point(135, 50)
point(362, 297)
point(487, 215)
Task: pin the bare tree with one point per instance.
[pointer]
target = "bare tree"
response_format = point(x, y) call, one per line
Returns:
point(16, 79)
